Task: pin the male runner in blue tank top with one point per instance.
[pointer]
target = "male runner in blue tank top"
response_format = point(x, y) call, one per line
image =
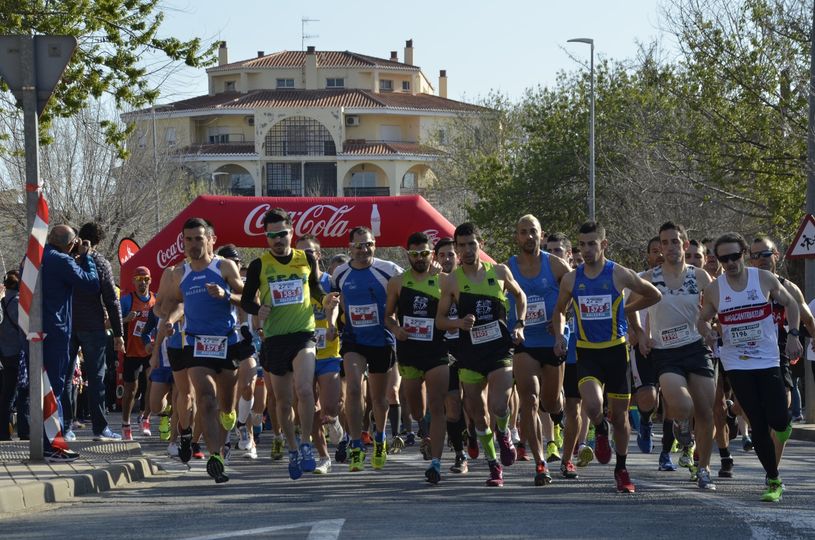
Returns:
point(595, 289)
point(209, 287)
point(479, 290)
point(538, 372)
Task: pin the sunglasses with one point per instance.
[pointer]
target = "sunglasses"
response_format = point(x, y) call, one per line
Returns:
point(279, 234)
point(143, 279)
point(362, 245)
point(423, 253)
point(693, 255)
point(732, 257)
point(767, 253)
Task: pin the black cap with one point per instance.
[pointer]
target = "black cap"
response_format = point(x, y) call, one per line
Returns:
point(229, 252)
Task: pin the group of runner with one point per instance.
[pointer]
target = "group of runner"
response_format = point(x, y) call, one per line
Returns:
point(542, 343)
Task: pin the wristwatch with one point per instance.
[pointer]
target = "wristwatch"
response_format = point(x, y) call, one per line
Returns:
point(794, 332)
point(520, 323)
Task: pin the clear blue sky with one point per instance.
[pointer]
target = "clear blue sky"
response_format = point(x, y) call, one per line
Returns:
point(520, 43)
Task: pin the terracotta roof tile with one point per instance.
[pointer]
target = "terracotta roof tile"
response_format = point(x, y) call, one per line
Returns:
point(325, 59)
point(384, 148)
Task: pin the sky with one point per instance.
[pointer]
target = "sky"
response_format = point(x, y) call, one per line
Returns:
point(507, 46)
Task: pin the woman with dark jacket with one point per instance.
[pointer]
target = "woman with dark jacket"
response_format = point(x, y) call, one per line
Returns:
point(12, 343)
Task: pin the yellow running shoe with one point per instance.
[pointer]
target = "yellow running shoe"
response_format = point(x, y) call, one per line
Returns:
point(277, 448)
point(585, 455)
point(552, 453)
point(558, 436)
point(380, 455)
point(228, 420)
point(356, 461)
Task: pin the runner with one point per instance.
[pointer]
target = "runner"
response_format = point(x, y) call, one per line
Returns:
point(410, 314)
point(287, 279)
point(749, 351)
point(594, 289)
point(479, 291)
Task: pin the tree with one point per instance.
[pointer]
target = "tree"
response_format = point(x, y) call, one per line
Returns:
point(114, 38)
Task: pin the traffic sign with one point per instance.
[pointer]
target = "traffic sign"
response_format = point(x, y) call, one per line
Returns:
point(803, 247)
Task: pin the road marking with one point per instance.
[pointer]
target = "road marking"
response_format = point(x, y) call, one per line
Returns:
point(327, 529)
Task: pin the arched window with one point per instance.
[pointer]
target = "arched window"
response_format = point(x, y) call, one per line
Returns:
point(299, 136)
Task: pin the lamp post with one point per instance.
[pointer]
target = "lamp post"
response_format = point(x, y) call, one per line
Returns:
point(590, 42)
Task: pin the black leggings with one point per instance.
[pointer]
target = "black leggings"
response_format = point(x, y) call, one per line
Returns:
point(763, 398)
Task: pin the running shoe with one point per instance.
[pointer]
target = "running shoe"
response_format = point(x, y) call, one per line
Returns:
point(335, 432)
point(694, 473)
point(602, 448)
point(77, 425)
point(726, 470)
point(380, 455)
point(257, 429)
point(552, 453)
point(590, 437)
point(542, 476)
point(460, 466)
point(567, 470)
point(341, 454)
point(703, 480)
point(472, 445)
point(424, 449)
point(57, 455)
point(520, 448)
point(747, 443)
point(357, 461)
point(295, 471)
point(172, 449)
point(367, 440)
point(634, 418)
point(127, 433)
point(251, 452)
point(215, 468)
point(228, 420)
point(69, 436)
point(585, 455)
point(243, 437)
point(164, 427)
point(397, 444)
point(686, 459)
point(107, 435)
point(644, 439)
point(774, 490)
point(226, 451)
point(558, 433)
point(323, 466)
point(508, 452)
point(184, 445)
point(145, 427)
point(496, 478)
point(432, 475)
point(197, 453)
point(682, 432)
point(665, 462)
point(624, 483)
point(515, 436)
point(277, 448)
point(307, 461)
point(410, 438)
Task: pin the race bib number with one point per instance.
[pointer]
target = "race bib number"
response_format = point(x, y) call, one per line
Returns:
point(485, 332)
point(536, 313)
point(286, 293)
point(744, 333)
point(138, 327)
point(594, 308)
point(678, 335)
point(418, 328)
point(363, 316)
point(319, 335)
point(210, 347)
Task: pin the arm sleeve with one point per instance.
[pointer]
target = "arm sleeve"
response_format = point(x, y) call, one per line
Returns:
point(313, 281)
point(83, 275)
point(126, 304)
point(250, 288)
point(149, 326)
point(109, 297)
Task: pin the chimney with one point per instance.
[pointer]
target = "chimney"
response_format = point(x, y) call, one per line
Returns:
point(443, 83)
point(261, 53)
point(311, 68)
point(223, 57)
point(409, 52)
point(394, 57)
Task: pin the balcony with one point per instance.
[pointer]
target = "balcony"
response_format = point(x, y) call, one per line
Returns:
point(366, 191)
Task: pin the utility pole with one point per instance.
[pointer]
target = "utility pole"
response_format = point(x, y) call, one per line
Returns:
point(809, 264)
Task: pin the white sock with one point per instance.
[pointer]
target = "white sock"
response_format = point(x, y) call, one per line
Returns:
point(244, 408)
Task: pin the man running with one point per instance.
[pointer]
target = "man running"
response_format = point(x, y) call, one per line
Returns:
point(595, 289)
point(749, 351)
point(479, 290)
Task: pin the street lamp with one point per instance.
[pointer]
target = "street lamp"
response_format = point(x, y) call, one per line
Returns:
point(590, 42)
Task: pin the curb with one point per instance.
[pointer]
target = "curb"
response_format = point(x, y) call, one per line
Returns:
point(63, 488)
point(803, 434)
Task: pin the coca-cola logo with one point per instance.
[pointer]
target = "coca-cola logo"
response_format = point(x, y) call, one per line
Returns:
point(432, 235)
point(165, 257)
point(323, 220)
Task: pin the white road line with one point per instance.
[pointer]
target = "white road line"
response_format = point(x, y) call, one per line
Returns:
point(328, 529)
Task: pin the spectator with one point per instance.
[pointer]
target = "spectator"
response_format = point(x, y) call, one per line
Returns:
point(90, 311)
point(60, 275)
point(12, 347)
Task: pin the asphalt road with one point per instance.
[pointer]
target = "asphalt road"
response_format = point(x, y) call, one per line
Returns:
point(261, 502)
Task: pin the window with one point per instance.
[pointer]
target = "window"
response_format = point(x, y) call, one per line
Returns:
point(229, 86)
point(217, 136)
point(406, 86)
point(385, 85)
point(409, 181)
point(142, 139)
point(363, 184)
point(283, 179)
point(363, 179)
point(335, 83)
point(285, 83)
point(299, 136)
point(442, 136)
point(242, 184)
point(169, 136)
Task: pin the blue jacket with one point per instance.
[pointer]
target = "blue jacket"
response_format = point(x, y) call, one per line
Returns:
point(60, 274)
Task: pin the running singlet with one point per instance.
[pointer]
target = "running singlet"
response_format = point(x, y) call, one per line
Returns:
point(599, 309)
point(489, 338)
point(672, 320)
point(571, 355)
point(749, 334)
point(284, 287)
point(135, 344)
point(541, 297)
point(325, 349)
point(209, 323)
point(363, 300)
point(418, 303)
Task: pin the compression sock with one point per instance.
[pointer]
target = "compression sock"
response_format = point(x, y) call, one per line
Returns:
point(487, 443)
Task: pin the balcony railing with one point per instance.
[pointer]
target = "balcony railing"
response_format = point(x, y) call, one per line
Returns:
point(366, 191)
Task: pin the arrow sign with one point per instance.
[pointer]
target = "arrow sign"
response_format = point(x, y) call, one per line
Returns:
point(803, 247)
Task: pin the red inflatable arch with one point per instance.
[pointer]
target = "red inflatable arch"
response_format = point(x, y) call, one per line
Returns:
point(239, 221)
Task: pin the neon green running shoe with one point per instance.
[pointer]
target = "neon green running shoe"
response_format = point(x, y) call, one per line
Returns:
point(380, 455)
point(164, 427)
point(356, 463)
point(558, 436)
point(277, 448)
point(774, 490)
point(228, 420)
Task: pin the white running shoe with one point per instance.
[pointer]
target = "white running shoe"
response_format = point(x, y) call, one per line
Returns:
point(172, 449)
point(323, 466)
point(251, 452)
point(243, 440)
point(335, 432)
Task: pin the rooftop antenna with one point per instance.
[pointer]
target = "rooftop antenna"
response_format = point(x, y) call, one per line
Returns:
point(303, 35)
